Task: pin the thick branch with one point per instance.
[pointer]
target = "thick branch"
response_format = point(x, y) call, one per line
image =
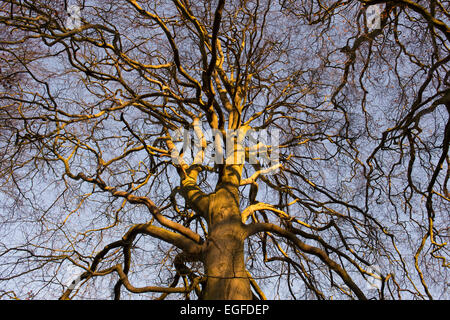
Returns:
point(139, 200)
point(269, 227)
point(124, 278)
point(188, 246)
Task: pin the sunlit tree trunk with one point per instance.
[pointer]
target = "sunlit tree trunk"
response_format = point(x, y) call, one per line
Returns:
point(224, 254)
point(223, 250)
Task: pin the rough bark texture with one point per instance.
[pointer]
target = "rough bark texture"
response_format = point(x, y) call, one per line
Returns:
point(224, 264)
point(224, 253)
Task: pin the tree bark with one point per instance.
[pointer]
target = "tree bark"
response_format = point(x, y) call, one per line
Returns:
point(223, 258)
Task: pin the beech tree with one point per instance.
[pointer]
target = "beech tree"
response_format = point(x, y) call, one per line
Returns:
point(345, 104)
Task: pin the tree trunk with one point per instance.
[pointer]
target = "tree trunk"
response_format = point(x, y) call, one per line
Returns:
point(224, 255)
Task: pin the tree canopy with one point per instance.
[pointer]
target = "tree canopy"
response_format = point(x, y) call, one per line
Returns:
point(94, 94)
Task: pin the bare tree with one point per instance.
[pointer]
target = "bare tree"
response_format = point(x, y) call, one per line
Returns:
point(98, 187)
